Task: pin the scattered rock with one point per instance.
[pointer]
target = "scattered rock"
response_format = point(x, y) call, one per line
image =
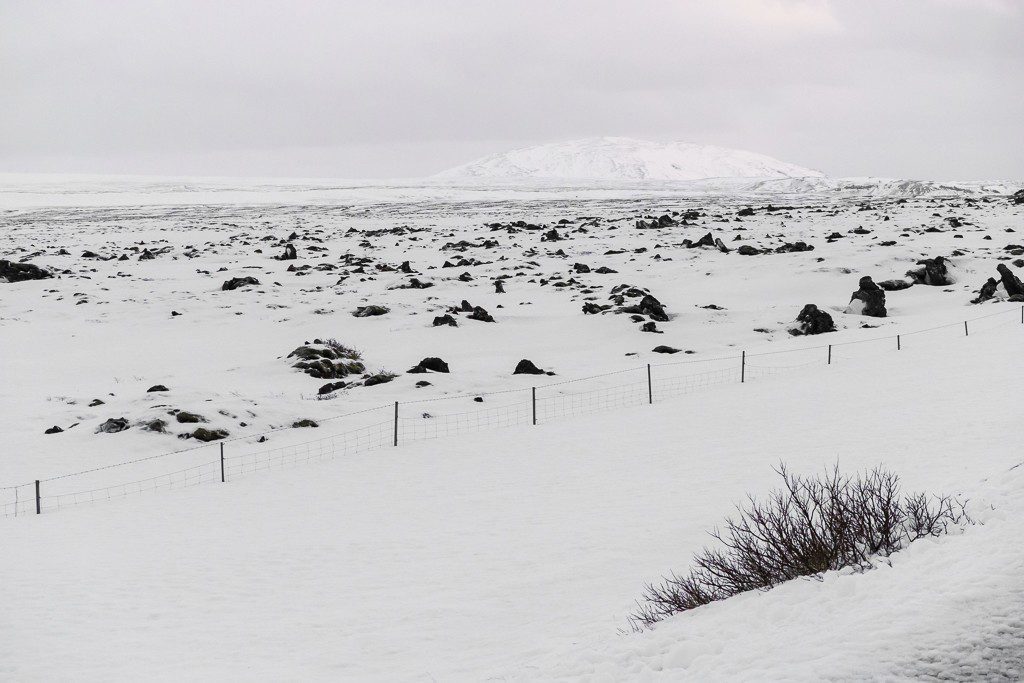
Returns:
point(665, 349)
point(185, 417)
point(429, 365)
point(306, 422)
point(369, 311)
point(53, 430)
point(113, 426)
point(157, 425)
point(157, 387)
point(236, 282)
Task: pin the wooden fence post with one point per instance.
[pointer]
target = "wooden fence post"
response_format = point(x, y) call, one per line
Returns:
point(743, 367)
point(38, 508)
point(829, 354)
point(396, 423)
point(533, 402)
point(222, 463)
point(650, 387)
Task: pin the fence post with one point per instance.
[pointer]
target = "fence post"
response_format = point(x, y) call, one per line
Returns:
point(396, 423)
point(37, 497)
point(743, 367)
point(533, 401)
point(222, 463)
point(650, 387)
point(829, 354)
point(966, 333)
point(898, 347)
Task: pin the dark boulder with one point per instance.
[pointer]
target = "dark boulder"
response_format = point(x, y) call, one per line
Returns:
point(987, 291)
point(204, 434)
point(53, 430)
point(290, 254)
point(868, 300)
point(747, 250)
point(813, 320)
point(446, 319)
point(157, 387)
point(1017, 197)
point(306, 422)
point(650, 327)
point(526, 367)
point(185, 417)
point(18, 272)
point(236, 282)
point(429, 365)
point(331, 387)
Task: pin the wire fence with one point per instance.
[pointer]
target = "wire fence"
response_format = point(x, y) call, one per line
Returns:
point(393, 425)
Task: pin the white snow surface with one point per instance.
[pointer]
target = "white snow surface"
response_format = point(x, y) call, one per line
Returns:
point(618, 158)
point(483, 547)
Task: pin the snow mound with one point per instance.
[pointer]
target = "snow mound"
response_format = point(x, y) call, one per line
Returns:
point(613, 158)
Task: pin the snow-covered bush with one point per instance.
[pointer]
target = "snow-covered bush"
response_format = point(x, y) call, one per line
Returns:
point(811, 525)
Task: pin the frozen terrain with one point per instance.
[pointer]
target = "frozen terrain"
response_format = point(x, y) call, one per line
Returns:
point(614, 158)
point(484, 546)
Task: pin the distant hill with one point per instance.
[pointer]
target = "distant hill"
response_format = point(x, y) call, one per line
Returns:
point(612, 158)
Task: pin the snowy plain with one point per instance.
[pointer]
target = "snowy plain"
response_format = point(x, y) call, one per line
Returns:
point(516, 552)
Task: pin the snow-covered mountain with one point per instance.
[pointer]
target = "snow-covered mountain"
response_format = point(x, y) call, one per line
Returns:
point(614, 158)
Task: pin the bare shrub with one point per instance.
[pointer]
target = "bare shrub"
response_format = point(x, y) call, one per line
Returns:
point(343, 351)
point(809, 526)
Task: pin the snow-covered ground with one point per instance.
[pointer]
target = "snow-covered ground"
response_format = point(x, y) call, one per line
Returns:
point(502, 549)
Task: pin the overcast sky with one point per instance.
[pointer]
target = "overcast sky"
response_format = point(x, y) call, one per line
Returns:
point(375, 89)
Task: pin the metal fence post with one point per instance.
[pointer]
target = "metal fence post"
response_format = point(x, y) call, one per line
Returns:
point(38, 508)
point(743, 367)
point(222, 463)
point(533, 402)
point(650, 387)
point(396, 423)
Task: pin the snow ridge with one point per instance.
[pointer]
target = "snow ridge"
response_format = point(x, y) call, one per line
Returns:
point(616, 158)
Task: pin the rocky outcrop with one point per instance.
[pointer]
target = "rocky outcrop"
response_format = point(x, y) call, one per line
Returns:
point(19, 272)
point(934, 272)
point(327, 361)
